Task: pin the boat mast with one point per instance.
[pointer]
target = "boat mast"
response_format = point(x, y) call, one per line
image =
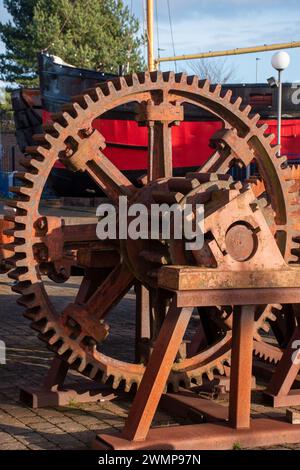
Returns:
point(150, 37)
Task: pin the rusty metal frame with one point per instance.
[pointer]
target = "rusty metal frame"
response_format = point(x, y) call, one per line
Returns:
point(237, 428)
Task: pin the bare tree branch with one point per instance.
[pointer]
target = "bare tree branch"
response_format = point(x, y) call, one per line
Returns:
point(217, 71)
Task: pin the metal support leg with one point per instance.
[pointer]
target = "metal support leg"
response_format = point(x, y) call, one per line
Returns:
point(154, 380)
point(241, 368)
point(142, 323)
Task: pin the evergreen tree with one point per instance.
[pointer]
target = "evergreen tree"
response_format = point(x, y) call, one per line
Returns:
point(100, 34)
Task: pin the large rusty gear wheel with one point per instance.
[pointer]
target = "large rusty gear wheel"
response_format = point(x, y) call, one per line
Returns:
point(72, 139)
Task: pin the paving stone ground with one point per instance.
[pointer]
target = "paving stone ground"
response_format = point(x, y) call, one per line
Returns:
point(27, 361)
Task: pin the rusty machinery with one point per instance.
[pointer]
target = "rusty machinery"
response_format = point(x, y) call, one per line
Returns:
point(243, 279)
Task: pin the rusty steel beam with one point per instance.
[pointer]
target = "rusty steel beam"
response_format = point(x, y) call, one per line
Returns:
point(229, 52)
point(257, 296)
point(154, 380)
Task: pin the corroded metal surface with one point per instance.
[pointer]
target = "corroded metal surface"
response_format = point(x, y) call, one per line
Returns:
point(44, 246)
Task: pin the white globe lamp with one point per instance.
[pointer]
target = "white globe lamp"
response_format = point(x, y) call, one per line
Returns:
point(280, 61)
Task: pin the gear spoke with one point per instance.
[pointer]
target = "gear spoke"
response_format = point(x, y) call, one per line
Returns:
point(115, 286)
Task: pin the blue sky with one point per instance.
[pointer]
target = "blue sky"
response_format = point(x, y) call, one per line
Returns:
point(208, 25)
point(202, 25)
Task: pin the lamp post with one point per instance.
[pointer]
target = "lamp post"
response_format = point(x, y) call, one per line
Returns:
point(280, 61)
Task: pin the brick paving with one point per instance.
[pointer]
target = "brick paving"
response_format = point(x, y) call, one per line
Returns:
point(73, 426)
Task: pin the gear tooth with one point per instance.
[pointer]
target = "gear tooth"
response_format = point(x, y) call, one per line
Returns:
point(29, 313)
point(247, 110)
point(199, 380)
point(70, 109)
point(9, 247)
point(39, 327)
point(181, 77)
point(104, 377)
point(256, 336)
point(129, 80)
point(238, 185)
point(43, 153)
point(282, 159)
point(99, 93)
point(296, 238)
point(168, 77)
point(157, 76)
point(26, 178)
point(263, 128)
point(17, 204)
point(112, 89)
point(82, 100)
point(128, 386)
point(135, 79)
point(269, 137)
point(50, 138)
point(53, 339)
point(210, 375)
point(255, 119)
point(144, 76)
point(272, 317)
point(227, 96)
point(15, 261)
point(59, 119)
point(88, 100)
point(19, 274)
point(220, 369)
point(62, 349)
point(23, 288)
point(116, 382)
point(19, 235)
point(58, 128)
point(82, 365)
point(141, 77)
point(41, 139)
point(275, 148)
point(237, 102)
point(117, 82)
point(77, 108)
point(73, 357)
point(29, 301)
point(92, 94)
point(216, 89)
point(204, 84)
point(266, 327)
point(192, 80)
point(26, 162)
point(21, 191)
point(123, 82)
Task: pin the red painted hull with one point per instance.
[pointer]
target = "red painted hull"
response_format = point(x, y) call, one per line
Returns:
point(190, 141)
